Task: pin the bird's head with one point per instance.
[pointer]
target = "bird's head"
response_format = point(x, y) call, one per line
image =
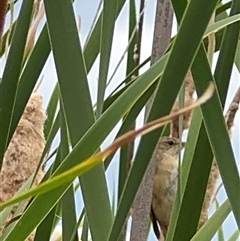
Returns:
point(170, 145)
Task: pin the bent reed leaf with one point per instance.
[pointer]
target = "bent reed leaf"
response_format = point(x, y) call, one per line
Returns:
point(88, 164)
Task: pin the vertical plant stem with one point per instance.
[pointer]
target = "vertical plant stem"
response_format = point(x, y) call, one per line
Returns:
point(142, 203)
point(134, 52)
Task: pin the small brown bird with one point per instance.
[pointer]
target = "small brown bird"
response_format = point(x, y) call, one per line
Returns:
point(165, 182)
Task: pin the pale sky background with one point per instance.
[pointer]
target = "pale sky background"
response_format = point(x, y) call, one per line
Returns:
point(86, 10)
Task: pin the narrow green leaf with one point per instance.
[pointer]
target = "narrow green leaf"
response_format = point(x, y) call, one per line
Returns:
point(52, 134)
point(84, 236)
point(237, 59)
point(216, 128)
point(79, 225)
point(51, 111)
point(93, 45)
point(132, 25)
point(235, 236)
point(126, 125)
point(120, 88)
point(45, 229)
point(222, 24)
point(223, 7)
point(109, 13)
point(8, 87)
point(29, 76)
point(69, 220)
point(78, 107)
point(227, 53)
point(220, 230)
point(125, 151)
point(68, 215)
point(4, 214)
point(212, 225)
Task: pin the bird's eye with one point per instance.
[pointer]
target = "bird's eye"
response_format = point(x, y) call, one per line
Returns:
point(171, 143)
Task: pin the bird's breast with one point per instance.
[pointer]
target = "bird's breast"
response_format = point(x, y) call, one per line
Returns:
point(165, 188)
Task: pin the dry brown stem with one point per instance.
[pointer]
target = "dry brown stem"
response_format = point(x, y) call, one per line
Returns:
point(3, 8)
point(231, 113)
point(38, 15)
point(143, 199)
point(188, 100)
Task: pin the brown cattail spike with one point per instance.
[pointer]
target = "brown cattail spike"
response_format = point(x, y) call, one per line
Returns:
point(24, 152)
